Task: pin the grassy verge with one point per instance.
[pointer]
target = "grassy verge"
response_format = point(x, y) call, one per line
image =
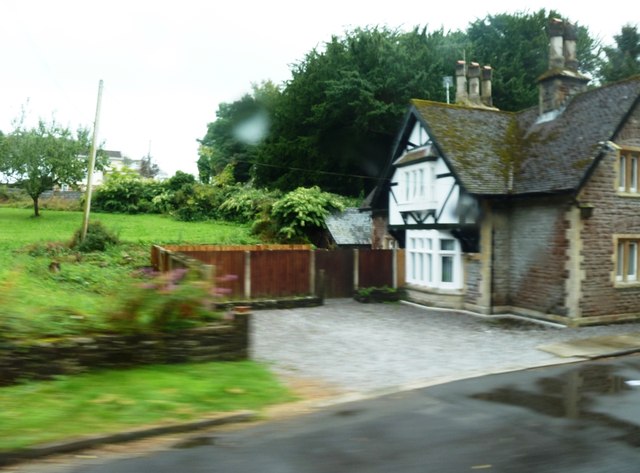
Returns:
point(110, 401)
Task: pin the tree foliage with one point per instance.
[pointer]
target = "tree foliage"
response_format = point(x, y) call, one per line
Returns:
point(302, 211)
point(334, 123)
point(126, 191)
point(45, 156)
point(516, 46)
point(233, 136)
point(623, 59)
point(148, 168)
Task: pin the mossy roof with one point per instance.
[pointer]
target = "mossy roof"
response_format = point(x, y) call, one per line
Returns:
point(493, 152)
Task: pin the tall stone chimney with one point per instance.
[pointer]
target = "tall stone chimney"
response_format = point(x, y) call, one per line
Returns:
point(556, 40)
point(461, 82)
point(474, 83)
point(487, 74)
point(562, 81)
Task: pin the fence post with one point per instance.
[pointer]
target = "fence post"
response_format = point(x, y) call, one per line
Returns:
point(247, 275)
point(356, 269)
point(312, 272)
point(394, 263)
point(320, 285)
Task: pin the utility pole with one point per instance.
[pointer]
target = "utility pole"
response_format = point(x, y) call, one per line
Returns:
point(92, 163)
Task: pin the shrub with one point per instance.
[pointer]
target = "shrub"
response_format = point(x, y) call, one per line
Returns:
point(166, 302)
point(199, 202)
point(127, 192)
point(14, 195)
point(246, 204)
point(303, 211)
point(98, 238)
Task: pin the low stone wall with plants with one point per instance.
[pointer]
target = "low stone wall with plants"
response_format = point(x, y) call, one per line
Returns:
point(43, 359)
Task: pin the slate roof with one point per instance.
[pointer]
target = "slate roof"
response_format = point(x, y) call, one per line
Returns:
point(350, 227)
point(112, 154)
point(493, 152)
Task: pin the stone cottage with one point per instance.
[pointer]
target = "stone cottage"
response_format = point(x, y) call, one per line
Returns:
point(534, 213)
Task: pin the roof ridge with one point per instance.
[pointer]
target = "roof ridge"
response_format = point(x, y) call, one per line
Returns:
point(424, 102)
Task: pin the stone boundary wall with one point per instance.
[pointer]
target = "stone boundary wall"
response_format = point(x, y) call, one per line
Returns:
point(44, 359)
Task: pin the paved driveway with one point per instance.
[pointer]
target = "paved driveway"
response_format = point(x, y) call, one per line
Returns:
point(356, 347)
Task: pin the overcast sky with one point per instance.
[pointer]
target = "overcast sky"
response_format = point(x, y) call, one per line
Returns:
point(166, 65)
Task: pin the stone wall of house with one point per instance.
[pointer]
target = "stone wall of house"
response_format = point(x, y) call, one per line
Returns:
point(530, 247)
point(44, 359)
point(612, 214)
point(501, 256)
point(472, 278)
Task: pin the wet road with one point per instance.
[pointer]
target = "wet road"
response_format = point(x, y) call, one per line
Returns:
point(575, 418)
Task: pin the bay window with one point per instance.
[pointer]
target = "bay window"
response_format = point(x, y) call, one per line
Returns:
point(433, 259)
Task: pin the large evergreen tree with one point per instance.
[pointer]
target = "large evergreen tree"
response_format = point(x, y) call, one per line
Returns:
point(516, 46)
point(333, 124)
point(337, 118)
point(623, 59)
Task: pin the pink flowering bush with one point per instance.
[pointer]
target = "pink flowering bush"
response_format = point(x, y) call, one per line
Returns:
point(171, 301)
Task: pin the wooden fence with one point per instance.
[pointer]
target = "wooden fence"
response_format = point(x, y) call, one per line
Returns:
point(265, 271)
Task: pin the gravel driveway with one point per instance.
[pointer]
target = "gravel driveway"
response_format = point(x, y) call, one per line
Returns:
point(356, 347)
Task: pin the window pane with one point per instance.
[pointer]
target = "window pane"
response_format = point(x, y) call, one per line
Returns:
point(620, 261)
point(421, 177)
point(413, 266)
point(447, 245)
point(428, 269)
point(634, 174)
point(622, 177)
point(447, 268)
point(631, 261)
point(420, 275)
point(406, 186)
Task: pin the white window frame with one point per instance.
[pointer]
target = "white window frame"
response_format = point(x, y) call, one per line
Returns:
point(418, 185)
point(425, 257)
point(627, 259)
point(629, 171)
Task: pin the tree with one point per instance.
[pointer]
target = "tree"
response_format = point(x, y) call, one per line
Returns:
point(516, 46)
point(336, 120)
point(148, 168)
point(47, 155)
point(623, 59)
point(233, 136)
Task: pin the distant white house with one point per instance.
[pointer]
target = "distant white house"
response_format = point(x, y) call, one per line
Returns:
point(117, 162)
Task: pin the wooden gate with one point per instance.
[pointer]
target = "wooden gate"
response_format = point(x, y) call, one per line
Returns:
point(338, 272)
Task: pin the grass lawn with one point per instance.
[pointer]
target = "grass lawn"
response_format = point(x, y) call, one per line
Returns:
point(37, 302)
point(111, 401)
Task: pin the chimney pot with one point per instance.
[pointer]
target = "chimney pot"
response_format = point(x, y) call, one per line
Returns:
point(556, 47)
point(487, 74)
point(569, 47)
point(461, 82)
point(474, 83)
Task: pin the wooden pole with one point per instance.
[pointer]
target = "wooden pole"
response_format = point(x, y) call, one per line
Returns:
point(92, 162)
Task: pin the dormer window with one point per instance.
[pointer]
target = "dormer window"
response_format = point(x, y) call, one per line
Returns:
point(628, 171)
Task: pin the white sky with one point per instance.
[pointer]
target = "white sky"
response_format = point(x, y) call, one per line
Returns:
point(166, 65)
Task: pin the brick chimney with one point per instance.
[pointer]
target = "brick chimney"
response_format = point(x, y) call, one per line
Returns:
point(562, 80)
point(487, 74)
point(461, 82)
